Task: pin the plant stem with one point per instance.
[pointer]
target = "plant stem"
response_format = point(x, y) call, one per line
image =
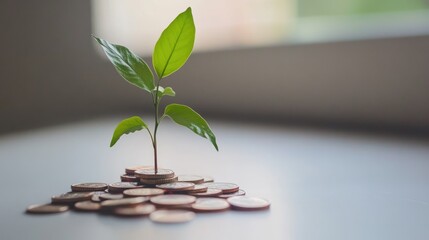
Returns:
point(154, 143)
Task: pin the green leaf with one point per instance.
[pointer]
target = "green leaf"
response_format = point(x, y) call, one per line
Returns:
point(130, 66)
point(168, 91)
point(174, 45)
point(185, 116)
point(128, 125)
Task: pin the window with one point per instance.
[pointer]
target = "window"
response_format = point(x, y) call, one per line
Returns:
point(227, 24)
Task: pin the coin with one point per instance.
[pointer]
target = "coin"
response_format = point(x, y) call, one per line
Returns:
point(119, 187)
point(172, 216)
point(129, 178)
point(88, 187)
point(248, 203)
point(47, 208)
point(87, 206)
point(150, 173)
point(109, 196)
point(228, 195)
point(191, 178)
point(131, 170)
point(199, 188)
point(208, 179)
point(172, 200)
point(211, 192)
point(176, 186)
point(225, 187)
point(72, 197)
point(125, 202)
point(210, 205)
point(140, 210)
point(96, 196)
point(143, 192)
point(181, 207)
point(158, 181)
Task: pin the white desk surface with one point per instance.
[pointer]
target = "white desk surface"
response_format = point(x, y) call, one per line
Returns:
point(322, 184)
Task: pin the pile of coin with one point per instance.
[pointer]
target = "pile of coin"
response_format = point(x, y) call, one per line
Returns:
point(162, 195)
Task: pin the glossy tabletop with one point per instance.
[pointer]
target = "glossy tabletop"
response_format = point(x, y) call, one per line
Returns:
point(321, 184)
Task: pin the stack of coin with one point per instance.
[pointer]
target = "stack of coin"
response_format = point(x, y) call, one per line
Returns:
point(129, 175)
point(151, 177)
point(162, 195)
point(131, 170)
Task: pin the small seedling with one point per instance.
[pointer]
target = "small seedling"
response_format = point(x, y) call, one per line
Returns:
point(172, 49)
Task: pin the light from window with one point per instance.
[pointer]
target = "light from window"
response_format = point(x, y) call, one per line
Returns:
point(223, 24)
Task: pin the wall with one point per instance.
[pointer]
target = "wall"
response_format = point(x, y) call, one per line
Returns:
point(50, 73)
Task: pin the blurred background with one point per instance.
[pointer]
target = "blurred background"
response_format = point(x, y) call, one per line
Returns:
point(319, 106)
point(356, 64)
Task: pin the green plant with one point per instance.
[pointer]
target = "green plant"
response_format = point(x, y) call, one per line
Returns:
point(172, 50)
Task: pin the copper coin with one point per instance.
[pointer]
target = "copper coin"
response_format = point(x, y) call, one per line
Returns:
point(140, 210)
point(248, 203)
point(109, 196)
point(191, 178)
point(131, 170)
point(199, 188)
point(128, 178)
point(225, 187)
point(158, 181)
point(96, 196)
point(72, 197)
point(143, 192)
point(88, 187)
point(211, 192)
point(172, 216)
point(208, 179)
point(176, 186)
point(240, 192)
point(210, 205)
point(172, 200)
point(119, 187)
point(87, 206)
point(47, 208)
point(125, 202)
point(150, 173)
point(181, 207)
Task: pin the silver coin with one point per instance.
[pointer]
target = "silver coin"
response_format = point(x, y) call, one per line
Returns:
point(211, 192)
point(225, 187)
point(96, 196)
point(198, 188)
point(248, 203)
point(210, 205)
point(240, 192)
point(191, 178)
point(176, 186)
point(208, 179)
